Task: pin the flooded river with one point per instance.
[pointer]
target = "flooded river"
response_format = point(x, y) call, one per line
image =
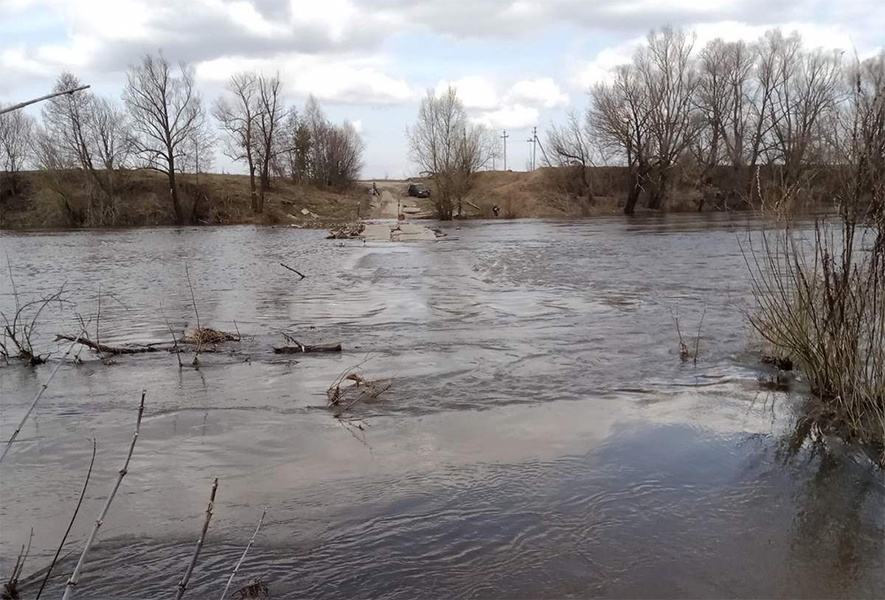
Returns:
point(541, 437)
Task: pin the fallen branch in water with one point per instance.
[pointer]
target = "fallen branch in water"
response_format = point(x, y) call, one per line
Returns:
point(75, 576)
point(105, 349)
point(182, 586)
point(70, 523)
point(346, 232)
point(302, 348)
point(344, 397)
point(243, 557)
point(293, 270)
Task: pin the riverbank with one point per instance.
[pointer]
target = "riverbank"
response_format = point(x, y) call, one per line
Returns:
point(61, 200)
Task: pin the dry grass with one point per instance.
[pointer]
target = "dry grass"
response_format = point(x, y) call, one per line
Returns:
point(59, 200)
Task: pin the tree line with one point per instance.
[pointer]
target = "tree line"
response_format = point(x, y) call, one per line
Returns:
point(747, 115)
point(162, 123)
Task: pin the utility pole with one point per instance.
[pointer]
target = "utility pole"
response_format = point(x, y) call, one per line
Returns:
point(40, 99)
point(504, 137)
point(534, 142)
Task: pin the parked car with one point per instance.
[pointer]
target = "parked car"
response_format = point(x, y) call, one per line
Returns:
point(418, 190)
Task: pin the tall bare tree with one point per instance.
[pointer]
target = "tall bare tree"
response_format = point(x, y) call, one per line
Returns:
point(619, 114)
point(668, 74)
point(236, 113)
point(448, 148)
point(165, 111)
point(269, 119)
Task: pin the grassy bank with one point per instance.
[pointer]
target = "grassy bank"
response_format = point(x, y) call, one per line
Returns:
point(62, 200)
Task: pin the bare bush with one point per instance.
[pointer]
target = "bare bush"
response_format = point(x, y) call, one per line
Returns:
point(821, 297)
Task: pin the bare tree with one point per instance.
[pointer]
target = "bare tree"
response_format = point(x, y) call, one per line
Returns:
point(16, 136)
point(269, 123)
point(331, 154)
point(569, 145)
point(448, 148)
point(165, 111)
point(667, 72)
point(236, 114)
point(619, 114)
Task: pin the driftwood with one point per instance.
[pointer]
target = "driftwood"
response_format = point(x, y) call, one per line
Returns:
point(307, 349)
point(346, 232)
point(293, 270)
point(105, 349)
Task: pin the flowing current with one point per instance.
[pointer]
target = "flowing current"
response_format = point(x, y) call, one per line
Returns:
point(541, 437)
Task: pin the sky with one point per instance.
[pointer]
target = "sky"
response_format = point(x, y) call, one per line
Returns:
point(517, 64)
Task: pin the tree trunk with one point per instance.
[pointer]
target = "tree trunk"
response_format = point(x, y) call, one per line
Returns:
point(635, 188)
point(173, 191)
point(252, 187)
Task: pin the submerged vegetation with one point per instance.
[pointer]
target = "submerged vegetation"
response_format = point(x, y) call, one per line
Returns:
point(821, 296)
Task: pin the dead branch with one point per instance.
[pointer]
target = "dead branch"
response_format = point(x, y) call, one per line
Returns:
point(75, 576)
point(299, 348)
point(70, 523)
point(243, 557)
point(345, 397)
point(293, 270)
point(182, 586)
point(105, 349)
point(10, 587)
point(346, 232)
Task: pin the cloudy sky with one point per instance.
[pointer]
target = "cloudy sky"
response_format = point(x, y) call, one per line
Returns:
point(516, 63)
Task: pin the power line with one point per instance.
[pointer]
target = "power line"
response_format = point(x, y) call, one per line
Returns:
point(504, 137)
point(534, 142)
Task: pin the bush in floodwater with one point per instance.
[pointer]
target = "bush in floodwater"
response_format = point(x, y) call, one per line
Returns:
point(821, 294)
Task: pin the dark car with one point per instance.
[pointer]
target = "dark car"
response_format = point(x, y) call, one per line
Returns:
point(418, 190)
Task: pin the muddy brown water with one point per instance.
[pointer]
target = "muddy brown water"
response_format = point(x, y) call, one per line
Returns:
point(541, 438)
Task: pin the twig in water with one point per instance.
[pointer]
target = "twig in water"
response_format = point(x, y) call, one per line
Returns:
point(36, 399)
point(70, 524)
point(174, 343)
point(182, 586)
point(10, 588)
point(683, 349)
point(243, 557)
point(196, 313)
point(75, 576)
point(697, 340)
point(293, 270)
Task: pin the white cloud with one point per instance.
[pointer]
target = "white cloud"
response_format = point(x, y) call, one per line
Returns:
point(498, 105)
point(474, 92)
point(542, 92)
point(344, 81)
point(509, 117)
